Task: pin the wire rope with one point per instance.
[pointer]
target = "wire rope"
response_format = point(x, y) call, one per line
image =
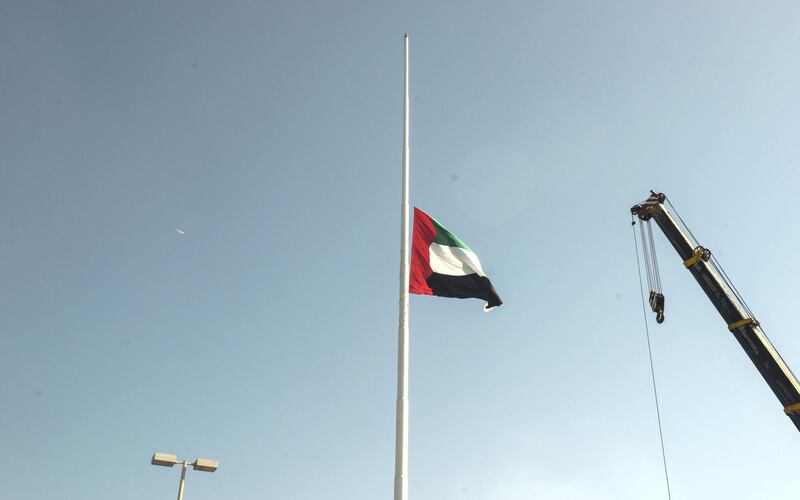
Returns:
point(654, 265)
point(650, 354)
point(681, 219)
point(645, 247)
point(715, 263)
point(730, 285)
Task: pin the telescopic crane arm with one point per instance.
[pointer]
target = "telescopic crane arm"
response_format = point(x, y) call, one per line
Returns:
point(740, 320)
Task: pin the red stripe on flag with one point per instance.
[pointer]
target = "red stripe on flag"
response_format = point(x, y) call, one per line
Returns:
point(424, 235)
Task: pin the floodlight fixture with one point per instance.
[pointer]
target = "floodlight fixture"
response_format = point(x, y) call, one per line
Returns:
point(164, 459)
point(205, 465)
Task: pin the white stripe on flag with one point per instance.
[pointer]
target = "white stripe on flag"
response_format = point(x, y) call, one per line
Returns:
point(454, 261)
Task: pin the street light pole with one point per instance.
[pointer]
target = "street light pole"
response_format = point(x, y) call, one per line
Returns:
point(183, 480)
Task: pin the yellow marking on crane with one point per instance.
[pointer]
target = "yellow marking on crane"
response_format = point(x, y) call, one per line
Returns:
point(742, 322)
point(694, 259)
point(792, 409)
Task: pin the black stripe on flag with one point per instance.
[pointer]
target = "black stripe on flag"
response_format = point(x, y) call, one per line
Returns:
point(464, 287)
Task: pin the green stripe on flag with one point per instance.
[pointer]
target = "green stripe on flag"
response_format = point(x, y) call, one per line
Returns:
point(445, 237)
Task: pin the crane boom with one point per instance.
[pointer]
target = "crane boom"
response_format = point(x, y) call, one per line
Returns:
point(740, 320)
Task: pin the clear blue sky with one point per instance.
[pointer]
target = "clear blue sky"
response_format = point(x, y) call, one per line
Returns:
point(265, 336)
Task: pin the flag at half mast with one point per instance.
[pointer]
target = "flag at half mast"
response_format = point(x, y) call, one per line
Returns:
point(443, 265)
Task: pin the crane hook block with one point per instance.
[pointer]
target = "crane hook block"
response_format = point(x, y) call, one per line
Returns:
point(657, 305)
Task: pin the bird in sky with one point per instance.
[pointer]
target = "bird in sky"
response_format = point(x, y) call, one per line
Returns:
point(179, 230)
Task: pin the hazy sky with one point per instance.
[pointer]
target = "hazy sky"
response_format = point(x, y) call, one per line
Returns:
point(265, 335)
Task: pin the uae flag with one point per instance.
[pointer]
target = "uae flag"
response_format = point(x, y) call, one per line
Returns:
point(443, 265)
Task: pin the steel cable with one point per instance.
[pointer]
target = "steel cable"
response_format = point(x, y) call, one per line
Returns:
point(654, 264)
point(645, 247)
point(650, 354)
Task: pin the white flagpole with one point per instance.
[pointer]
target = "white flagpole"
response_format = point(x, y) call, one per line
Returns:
point(401, 432)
